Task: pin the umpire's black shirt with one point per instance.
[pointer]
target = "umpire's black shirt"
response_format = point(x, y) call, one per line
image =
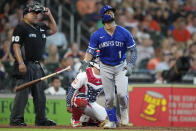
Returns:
point(32, 40)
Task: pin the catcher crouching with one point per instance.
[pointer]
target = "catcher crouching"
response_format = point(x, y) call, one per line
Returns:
point(82, 95)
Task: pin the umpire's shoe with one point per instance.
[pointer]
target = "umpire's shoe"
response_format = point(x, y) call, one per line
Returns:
point(18, 123)
point(46, 122)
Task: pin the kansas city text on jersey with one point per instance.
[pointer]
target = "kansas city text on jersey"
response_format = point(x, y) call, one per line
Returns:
point(111, 43)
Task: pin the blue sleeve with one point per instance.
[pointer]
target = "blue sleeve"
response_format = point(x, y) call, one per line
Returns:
point(129, 41)
point(133, 59)
point(131, 46)
point(69, 96)
point(93, 45)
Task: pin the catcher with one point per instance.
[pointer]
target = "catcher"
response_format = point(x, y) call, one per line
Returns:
point(82, 95)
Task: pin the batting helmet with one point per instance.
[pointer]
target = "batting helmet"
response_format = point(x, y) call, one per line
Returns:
point(34, 7)
point(106, 18)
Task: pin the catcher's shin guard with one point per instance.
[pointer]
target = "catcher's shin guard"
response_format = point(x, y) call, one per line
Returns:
point(76, 113)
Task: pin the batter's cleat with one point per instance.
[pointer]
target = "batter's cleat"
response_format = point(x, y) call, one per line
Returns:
point(101, 124)
point(76, 124)
point(109, 125)
point(124, 117)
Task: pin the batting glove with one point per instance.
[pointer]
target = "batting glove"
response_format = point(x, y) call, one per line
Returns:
point(129, 69)
point(83, 66)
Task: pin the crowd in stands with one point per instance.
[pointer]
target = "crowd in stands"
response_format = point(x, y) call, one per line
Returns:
point(164, 30)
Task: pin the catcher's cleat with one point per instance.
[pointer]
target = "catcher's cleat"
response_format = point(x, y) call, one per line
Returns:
point(76, 124)
point(109, 125)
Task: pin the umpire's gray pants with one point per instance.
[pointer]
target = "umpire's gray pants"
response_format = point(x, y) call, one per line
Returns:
point(34, 71)
point(114, 76)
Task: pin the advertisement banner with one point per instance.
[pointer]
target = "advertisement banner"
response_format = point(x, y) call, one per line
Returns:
point(162, 106)
point(149, 106)
point(183, 107)
point(55, 110)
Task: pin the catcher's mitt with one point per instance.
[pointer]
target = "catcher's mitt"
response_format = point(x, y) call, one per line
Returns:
point(81, 100)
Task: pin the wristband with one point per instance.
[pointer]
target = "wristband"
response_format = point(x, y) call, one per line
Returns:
point(21, 63)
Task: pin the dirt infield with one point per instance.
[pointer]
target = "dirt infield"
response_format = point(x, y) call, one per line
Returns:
point(118, 128)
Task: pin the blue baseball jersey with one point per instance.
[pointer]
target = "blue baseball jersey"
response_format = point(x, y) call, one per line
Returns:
point(112, 48)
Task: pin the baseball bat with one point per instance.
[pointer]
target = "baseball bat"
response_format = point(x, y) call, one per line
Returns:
point(25, 85)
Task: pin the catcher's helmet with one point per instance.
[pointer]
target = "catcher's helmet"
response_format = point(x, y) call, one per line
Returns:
point(106, 18)
point(34, 7)
point(95, 61)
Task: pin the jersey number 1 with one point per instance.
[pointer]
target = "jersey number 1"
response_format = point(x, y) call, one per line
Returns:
point(119, 54)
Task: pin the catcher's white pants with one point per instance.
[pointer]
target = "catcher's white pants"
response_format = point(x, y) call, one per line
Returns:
point(95, 111)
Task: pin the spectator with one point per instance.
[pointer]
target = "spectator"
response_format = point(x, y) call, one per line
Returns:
point(145, 50)
point(193, 39)
point(67, 76)
point(165, 45)
point(16, 18)
point(192, 28)
point(173, 10)
point(85, 7)
point(173, 48)
point(164, 62)
point(2, 75)
point(193, 64)
point(5, 53)
point(153, 62)
point(53, 56)
point(55, 88)
point(192, 49)
point(190, 5)
point(59, 39)
point(93, 19)
point(75, 53)
point(5, 29)
point(3, 21)
point(150, 24)
point(180, 33)
point(130, 22)
point(179, 52)
point(6, 10)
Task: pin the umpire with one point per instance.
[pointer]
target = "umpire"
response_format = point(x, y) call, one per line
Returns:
point(28, 43)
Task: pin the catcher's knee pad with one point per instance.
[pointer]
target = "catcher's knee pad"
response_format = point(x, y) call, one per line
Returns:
point(80, 100)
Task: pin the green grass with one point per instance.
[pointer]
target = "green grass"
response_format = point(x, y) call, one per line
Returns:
point(29, 129)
